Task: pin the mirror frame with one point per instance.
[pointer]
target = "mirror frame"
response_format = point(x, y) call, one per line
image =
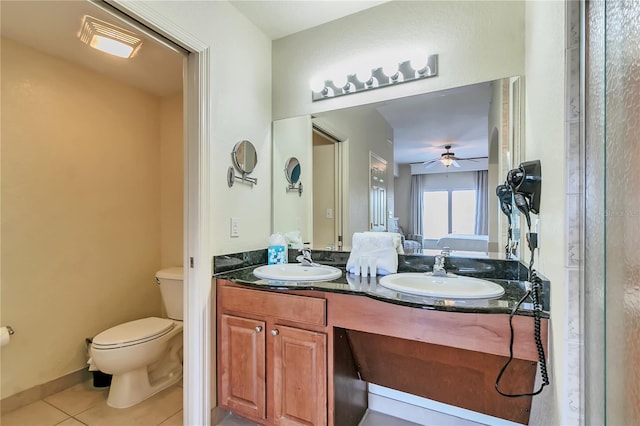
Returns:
point(289, 170)
point(242, 152)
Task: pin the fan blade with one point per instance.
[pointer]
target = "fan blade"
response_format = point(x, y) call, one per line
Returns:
point(430, 164)
point(455, 163)
point(472, 158)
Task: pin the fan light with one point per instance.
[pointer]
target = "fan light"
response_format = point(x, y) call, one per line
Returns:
point(447, 161)
point(108, 38)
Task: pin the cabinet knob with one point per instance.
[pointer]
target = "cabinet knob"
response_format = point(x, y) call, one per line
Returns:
point(258, 329)
point(275, 332)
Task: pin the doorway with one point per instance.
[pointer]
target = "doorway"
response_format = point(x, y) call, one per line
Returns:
point(327, 190)
point(195, 204)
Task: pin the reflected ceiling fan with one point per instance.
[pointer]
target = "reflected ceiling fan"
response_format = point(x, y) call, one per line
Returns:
point(448, 158)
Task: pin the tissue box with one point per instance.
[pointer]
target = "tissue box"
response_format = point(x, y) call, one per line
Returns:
point(276, 254)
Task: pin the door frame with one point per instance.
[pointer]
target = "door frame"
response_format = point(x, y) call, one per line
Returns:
point(197, 209)
point(341, 148)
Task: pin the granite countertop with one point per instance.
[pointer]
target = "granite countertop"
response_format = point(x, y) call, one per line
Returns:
point(505, 273)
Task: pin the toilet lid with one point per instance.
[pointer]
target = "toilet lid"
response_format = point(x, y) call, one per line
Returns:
point(133, 332)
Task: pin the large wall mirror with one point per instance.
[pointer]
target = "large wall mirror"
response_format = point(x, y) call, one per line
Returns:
point(446, 152)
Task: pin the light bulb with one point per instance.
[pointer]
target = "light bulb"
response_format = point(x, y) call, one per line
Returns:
point(339, 80)
point(390, 69)
point(317, 84)
point(363, 73)
point(418, 61)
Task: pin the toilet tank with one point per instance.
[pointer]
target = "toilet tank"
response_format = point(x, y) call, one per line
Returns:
point(170, 281)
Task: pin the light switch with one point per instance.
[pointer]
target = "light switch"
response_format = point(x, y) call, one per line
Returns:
point(235, 226)
point(329, 213)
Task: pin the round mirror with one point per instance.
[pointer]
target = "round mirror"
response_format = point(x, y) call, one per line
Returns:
point(292, 170)
point(244, 156)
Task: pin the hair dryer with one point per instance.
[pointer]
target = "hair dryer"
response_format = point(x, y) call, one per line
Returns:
point(504, 198)
point(525, 182)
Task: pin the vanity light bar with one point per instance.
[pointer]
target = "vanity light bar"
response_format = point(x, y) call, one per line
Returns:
point(404, 73)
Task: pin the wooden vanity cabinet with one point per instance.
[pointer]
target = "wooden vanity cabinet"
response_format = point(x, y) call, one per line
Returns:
point(242, 352)
point(272, 356)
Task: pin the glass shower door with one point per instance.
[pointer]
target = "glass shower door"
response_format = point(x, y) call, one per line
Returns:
point(612, 243)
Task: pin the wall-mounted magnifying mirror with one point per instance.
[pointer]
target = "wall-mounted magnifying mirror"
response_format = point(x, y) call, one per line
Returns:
point(292, 171)
point(244, 158)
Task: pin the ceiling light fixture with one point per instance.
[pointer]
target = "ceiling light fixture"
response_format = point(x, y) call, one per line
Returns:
point(374, 78)
point(447, 161)
point(109, 38)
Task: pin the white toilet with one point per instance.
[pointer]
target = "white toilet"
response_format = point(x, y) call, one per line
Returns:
point(144, 356)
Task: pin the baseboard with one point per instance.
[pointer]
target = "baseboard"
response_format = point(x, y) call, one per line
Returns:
point(425, 411)
point(44, 390)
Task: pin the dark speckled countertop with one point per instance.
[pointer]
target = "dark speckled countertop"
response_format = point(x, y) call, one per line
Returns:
point(510, 274)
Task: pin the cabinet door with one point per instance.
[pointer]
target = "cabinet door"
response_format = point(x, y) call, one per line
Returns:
point(300, 376)
point(242, 363)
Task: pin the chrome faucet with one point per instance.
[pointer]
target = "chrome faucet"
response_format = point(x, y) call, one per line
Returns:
point(305, 257)
point(439, 264)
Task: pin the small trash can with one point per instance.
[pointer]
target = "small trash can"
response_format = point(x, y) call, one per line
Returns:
point(100, 379)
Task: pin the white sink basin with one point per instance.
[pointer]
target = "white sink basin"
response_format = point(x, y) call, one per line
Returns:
point(449, 287)
point(297, 272)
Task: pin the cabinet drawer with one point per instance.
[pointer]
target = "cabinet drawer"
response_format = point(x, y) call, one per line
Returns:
point(302, 309)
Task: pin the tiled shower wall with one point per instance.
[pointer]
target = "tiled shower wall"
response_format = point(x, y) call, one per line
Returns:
point(572, 411)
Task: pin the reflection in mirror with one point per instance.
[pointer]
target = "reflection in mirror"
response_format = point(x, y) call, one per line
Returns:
point(244, 157)
point(443, 196)
point(292, 170)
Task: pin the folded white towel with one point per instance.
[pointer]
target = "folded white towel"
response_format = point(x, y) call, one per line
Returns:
point(395, 237)
point(381, 245)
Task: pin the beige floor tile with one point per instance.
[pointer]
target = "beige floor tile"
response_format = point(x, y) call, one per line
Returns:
point(233, 420)
point(150, 412)
point(37, 414)
point(78, 398)
point(373, 418)
point(71, 422)
point(175, 420)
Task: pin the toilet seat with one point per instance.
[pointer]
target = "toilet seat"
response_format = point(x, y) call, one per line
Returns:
point(133, 333)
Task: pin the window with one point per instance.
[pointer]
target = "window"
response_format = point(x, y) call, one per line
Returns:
point(449, 212)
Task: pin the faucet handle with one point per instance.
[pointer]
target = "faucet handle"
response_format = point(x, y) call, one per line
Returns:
point(446, 252)
point(305, 257)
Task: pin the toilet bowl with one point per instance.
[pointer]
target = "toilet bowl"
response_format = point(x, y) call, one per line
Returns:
point(144, 356)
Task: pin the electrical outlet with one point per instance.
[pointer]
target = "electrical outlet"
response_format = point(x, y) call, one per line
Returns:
point(235, 226)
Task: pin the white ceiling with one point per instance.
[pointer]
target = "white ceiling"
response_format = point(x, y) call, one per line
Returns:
point(281, 18)
point(424, 124)
point(52, 27)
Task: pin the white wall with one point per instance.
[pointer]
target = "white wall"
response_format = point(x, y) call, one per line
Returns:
point(240, 109)
point(476, 41)
point(293, 212)
point(402, 199)
point(545, 140)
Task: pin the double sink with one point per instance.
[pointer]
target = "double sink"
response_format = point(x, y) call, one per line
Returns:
point(449, 286)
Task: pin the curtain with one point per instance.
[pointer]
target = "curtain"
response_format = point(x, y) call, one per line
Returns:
point(482, 199)
point(416, 204)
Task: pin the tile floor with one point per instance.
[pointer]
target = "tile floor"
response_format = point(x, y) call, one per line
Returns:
point(83, 404)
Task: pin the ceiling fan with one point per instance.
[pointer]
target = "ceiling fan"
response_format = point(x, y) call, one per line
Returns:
point(448, 158)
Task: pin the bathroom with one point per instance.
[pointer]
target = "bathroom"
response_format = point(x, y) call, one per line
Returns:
point(92, 189)
point(235, 86)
